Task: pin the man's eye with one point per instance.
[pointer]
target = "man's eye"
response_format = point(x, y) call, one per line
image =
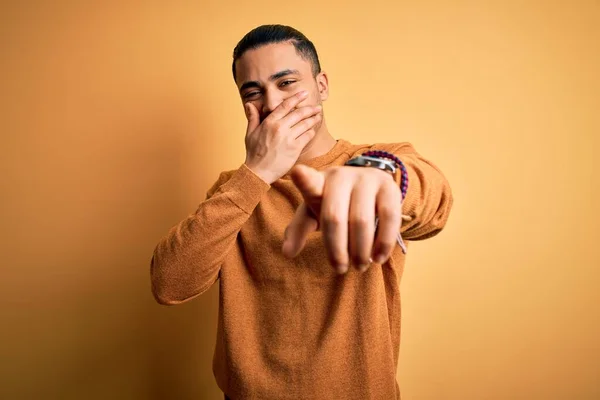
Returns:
point(251, 94)
point(286, 83)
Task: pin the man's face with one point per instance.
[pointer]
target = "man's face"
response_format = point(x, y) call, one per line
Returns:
point(270, 74)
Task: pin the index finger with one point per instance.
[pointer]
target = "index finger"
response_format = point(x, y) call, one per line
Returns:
point(288, 105)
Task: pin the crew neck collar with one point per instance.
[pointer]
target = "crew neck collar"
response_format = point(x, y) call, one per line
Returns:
point(317, 162)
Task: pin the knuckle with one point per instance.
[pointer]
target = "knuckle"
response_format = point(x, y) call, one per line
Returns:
point(289, 103)
point(389, 212)
point(332, 219)
point(335, 172)
point(307, 111)
point(360, 221)
point(370, 178)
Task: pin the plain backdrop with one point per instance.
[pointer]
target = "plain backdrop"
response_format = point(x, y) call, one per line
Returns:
point(116, 117)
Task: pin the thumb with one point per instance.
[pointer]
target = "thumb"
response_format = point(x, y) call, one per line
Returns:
point(252, 116)
point(297, 231)
point(310, 182)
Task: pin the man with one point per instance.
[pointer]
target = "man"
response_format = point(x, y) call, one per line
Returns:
point(309, 282)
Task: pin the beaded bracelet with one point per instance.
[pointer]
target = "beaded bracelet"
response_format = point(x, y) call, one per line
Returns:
point(400, 165)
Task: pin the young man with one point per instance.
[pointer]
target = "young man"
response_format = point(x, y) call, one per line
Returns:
point(307, 249)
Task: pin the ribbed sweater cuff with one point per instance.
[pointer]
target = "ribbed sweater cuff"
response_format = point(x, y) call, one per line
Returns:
point(245, 188)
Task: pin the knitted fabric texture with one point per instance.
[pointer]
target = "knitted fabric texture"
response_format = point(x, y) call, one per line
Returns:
point(295, 329)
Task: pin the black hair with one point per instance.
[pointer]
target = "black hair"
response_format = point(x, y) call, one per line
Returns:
point(268, 34)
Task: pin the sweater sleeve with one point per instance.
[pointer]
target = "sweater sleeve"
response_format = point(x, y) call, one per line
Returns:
point(429, 197)
point(186, 262)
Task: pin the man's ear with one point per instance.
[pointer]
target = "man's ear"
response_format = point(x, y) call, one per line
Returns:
point(323, 85)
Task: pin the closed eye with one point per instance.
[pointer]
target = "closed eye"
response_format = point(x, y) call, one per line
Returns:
point(251, 94)
point(286, 83)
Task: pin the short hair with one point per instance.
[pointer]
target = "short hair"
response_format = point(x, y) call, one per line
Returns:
point(268, 34)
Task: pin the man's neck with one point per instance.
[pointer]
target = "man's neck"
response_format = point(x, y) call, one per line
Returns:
point(321, 144)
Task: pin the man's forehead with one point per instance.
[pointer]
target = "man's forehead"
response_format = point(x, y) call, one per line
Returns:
point(260, 63)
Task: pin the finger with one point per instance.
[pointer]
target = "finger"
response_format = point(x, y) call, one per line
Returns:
point(287, 105)
point(361, 222)
point(296, 233)
point(305, 125)
point(300, 114)
point(334, 220)
point(305, 137)
point(253, 117)
point(389, 213)
point(310, 182)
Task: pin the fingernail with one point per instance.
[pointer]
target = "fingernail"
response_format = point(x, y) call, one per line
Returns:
point(342, 268)
point(319, 108)
point(303, 93)
point(380, 258)
point(363, 267)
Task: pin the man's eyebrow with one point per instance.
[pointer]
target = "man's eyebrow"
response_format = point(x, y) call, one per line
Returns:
point(283, 73)
point(274, 77)
point(250, 84)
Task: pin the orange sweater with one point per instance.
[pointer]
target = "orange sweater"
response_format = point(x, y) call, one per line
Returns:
point(295, 329)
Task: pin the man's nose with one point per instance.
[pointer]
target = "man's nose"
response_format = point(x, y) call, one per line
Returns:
point(271, 101)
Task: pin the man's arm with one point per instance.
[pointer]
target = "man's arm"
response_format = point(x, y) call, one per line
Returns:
point(428, 199)
point(187, 261)
point(343, 202)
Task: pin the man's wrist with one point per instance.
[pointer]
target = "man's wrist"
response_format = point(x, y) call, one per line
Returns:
point(386, 161)
point(259, 173)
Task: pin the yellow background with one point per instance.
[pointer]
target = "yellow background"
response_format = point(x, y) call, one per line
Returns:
point(116, 118)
